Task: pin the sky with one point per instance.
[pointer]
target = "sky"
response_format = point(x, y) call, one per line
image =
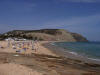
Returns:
point(80, 16)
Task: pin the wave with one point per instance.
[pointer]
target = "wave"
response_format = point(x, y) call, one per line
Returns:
point(74, 53)
point(94, 59)
point(78, 49)
point(52, 43)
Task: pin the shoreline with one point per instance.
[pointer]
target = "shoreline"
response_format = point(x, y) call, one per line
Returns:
point(57, 50)
point(45, 62)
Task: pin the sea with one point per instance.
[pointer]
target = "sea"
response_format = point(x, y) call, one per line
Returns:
point(86, 49)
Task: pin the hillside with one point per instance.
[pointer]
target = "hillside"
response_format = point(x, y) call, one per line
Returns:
point(45, 34)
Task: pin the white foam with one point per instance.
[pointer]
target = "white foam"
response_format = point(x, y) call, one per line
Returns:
point(73, 53)
point(16, 55)
point(52, 44)
point(94, 59)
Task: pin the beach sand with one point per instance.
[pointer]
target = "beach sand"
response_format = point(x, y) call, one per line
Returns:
point(42, 62)
point(40, 50)
point(15, 69)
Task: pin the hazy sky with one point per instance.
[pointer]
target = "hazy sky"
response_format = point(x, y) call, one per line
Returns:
point(81, 16)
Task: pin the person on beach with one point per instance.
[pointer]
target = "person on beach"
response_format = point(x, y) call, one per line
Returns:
point(1, 47)
point(8, 43)
point(32, 44)
point(24, 47)
point(36, 45)
point(14, 47)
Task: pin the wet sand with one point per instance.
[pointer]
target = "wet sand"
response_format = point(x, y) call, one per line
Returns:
point(60, 51)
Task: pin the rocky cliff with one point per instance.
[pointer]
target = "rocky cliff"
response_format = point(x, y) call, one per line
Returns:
point(45, 34)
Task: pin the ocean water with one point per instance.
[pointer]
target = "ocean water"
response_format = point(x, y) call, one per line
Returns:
point(87, 49)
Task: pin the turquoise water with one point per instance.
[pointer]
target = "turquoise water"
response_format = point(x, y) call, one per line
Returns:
point(88, 49)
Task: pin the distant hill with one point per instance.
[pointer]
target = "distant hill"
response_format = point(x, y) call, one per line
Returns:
point(45, 34)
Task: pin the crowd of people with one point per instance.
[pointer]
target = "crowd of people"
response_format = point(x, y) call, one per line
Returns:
point(22, 46)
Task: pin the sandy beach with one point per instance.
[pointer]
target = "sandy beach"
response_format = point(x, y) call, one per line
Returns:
point(40, 50)
point(13, 68)
point(42, 62)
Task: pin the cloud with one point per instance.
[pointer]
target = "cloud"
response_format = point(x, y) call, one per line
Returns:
point(85, 1)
